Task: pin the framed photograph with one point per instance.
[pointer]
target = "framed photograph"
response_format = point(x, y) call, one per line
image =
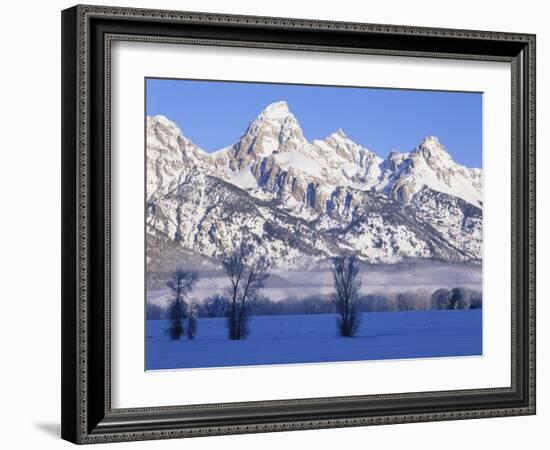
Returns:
point(280, 224)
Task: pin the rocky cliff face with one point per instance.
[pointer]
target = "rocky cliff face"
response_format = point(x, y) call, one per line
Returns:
point(302, 202)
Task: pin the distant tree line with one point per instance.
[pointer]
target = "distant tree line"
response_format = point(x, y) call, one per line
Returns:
point(412, 300)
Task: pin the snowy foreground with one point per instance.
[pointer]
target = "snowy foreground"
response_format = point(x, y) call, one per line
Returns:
point(313, 338)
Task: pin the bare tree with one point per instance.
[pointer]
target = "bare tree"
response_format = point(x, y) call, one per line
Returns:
point(407, 301)
point(192, 322)
point(234, 267)
point(181, 283)
point(214, 306)
point(245, 284)
point(347, 282)
point(441, 299)
point(460, 298)
point(476, 300)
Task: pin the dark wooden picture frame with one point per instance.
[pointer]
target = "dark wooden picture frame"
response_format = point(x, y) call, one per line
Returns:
point(87, 33)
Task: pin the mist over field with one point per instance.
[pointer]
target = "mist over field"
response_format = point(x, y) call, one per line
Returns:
point(384, 279)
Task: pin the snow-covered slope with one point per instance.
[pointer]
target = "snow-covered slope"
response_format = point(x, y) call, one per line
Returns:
point(170, 156)
point(429, 165)
point(303, 201)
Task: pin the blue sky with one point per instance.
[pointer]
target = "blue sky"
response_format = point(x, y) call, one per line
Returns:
point(214, 114)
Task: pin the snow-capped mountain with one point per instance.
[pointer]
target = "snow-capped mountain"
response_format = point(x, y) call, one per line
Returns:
point(301, 202)
point(429, 165)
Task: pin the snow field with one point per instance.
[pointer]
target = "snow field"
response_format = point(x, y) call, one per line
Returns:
point(300, 339)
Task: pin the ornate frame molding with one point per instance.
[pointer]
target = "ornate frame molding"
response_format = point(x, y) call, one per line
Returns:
point(87, 422)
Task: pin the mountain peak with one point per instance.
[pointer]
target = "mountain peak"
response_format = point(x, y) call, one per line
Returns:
point(432, 143)
point(162, 120)
point(337, 136)
point(340, 133)
point(431, 147)
point(276, 111)
point(431, 139)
